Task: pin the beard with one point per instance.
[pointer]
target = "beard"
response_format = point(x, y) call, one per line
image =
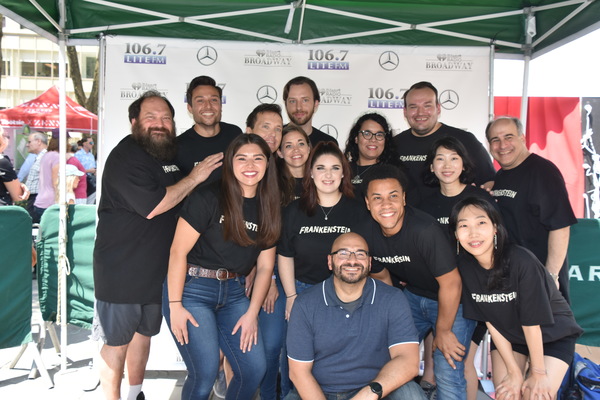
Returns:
point(359, 277)
point(158, 142)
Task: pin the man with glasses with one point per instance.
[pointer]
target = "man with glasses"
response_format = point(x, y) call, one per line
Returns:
point(302, 98)
point(411, 249)
point(86, 158)
point(37, 143)
point(422, 110)
point(352, 336)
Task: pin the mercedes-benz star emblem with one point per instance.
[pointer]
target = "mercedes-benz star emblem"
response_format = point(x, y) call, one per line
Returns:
point(207, 55)
point(266, 94)
point(449, 99)
point(330, 130)
point(389, 60)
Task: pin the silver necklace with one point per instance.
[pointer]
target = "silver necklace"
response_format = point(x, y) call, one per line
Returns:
point(357, 179)
point(327, 213)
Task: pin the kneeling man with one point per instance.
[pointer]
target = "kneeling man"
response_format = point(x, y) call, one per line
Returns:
point(352, 336)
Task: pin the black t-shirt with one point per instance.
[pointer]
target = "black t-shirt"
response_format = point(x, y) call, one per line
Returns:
point(533, 200)
point(319, 136)
point(530, 298)
point(131, 253)
point(417, 254)
point(7, 174)
point(203, 212)
point(413, 153)
point(308, 240)
point(193, 148)
point(440, 207)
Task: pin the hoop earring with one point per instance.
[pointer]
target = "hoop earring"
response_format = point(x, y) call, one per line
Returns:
point(457, 247)
point(495, 241)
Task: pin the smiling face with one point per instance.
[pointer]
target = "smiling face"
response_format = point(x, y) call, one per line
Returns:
point(205, 106)
point(249, 167)
point(386, 200)
point(268, 126)
point(351, 270)
point(506, 145)
point(475, 232)
point(294, 150)
point(301, 104)
point(422, 111)
point(327, 174)
point(369, 150)
point(447, 166)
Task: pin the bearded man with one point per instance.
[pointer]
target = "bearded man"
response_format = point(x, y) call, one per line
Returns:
point(141, 192)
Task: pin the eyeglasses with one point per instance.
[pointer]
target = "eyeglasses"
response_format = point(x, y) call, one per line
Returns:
point(344, 254)
point(368, 134)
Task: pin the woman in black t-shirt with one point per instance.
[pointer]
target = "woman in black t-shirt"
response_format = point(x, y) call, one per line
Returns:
point(10, 187)
point(222, 232)
point(325, 209)
point(508, 288)
point(293, 154)
point(369, 143)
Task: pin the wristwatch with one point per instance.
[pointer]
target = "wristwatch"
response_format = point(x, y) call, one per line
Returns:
point(377, 389)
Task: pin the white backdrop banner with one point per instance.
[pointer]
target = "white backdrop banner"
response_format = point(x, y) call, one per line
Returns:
point(352, 80)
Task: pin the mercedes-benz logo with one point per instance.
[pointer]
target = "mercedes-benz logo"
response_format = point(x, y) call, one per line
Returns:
point(449, 99)
point(330, 130)
point(207, 55)
point(266, 94)
point(389, 60)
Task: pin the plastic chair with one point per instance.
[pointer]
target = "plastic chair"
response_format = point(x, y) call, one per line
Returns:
point(15, 287)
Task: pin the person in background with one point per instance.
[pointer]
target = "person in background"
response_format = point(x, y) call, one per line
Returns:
point(532, 326)
point(224, 231)
point(293, 154)
point(87, 159)
point(48, 178)
point(302, 97)
point(72, 179)
point(37, 143)
point(266, 121)
point(11, 189)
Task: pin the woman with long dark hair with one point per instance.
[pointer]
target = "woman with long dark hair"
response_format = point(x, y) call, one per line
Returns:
point(293, 155)
point(222, 232)
point(369, 143)
point(326, 208)
point(507, 287)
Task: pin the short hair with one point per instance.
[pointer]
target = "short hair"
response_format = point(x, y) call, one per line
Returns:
point(261, 108)
point(85, 138)
point(300, 80)
point(467, 176)
point(385, 171)
point(202, 80)
point(514, 120)
point(136, 107)
point(41, 136)
point(421, 85)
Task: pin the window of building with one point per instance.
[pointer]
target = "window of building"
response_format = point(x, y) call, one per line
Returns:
point(27, 68)
point(47, 69)
point(5, 67)
point(90, 66)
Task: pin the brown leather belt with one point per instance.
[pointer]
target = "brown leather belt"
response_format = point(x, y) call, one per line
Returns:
point(220, 274)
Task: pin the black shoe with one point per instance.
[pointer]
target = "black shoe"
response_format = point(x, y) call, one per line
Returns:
point(140, 396)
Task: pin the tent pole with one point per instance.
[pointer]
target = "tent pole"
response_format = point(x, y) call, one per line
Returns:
point(530, 32)
point(491, 113)
point(101, 110)
point(62, 229)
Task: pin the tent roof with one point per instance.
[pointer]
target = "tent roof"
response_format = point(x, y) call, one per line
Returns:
point(397, 22)
point(42, 113)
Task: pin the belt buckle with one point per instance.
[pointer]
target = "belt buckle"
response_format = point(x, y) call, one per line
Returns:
point(219, 272)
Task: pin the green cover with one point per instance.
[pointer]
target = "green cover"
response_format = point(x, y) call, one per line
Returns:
point(15, 269)
point(81, 231)
point(584, 280)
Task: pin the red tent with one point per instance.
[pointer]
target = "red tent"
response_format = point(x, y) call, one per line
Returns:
point(41, 114)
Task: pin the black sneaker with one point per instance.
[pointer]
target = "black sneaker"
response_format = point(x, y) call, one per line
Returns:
point(140, 396)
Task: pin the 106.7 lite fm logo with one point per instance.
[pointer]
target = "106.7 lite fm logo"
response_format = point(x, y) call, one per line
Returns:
point(144, 53)
point(319, 59)
point(385, 98)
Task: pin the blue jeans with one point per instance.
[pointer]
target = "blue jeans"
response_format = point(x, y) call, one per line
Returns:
point(451, 383)
point(217, 306)
point(272, 328)
point(286, 384)
point(409, 391)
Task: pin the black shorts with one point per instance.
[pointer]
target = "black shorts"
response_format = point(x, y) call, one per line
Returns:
point(563, 349)
point(479, 333)
point(115, 324)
